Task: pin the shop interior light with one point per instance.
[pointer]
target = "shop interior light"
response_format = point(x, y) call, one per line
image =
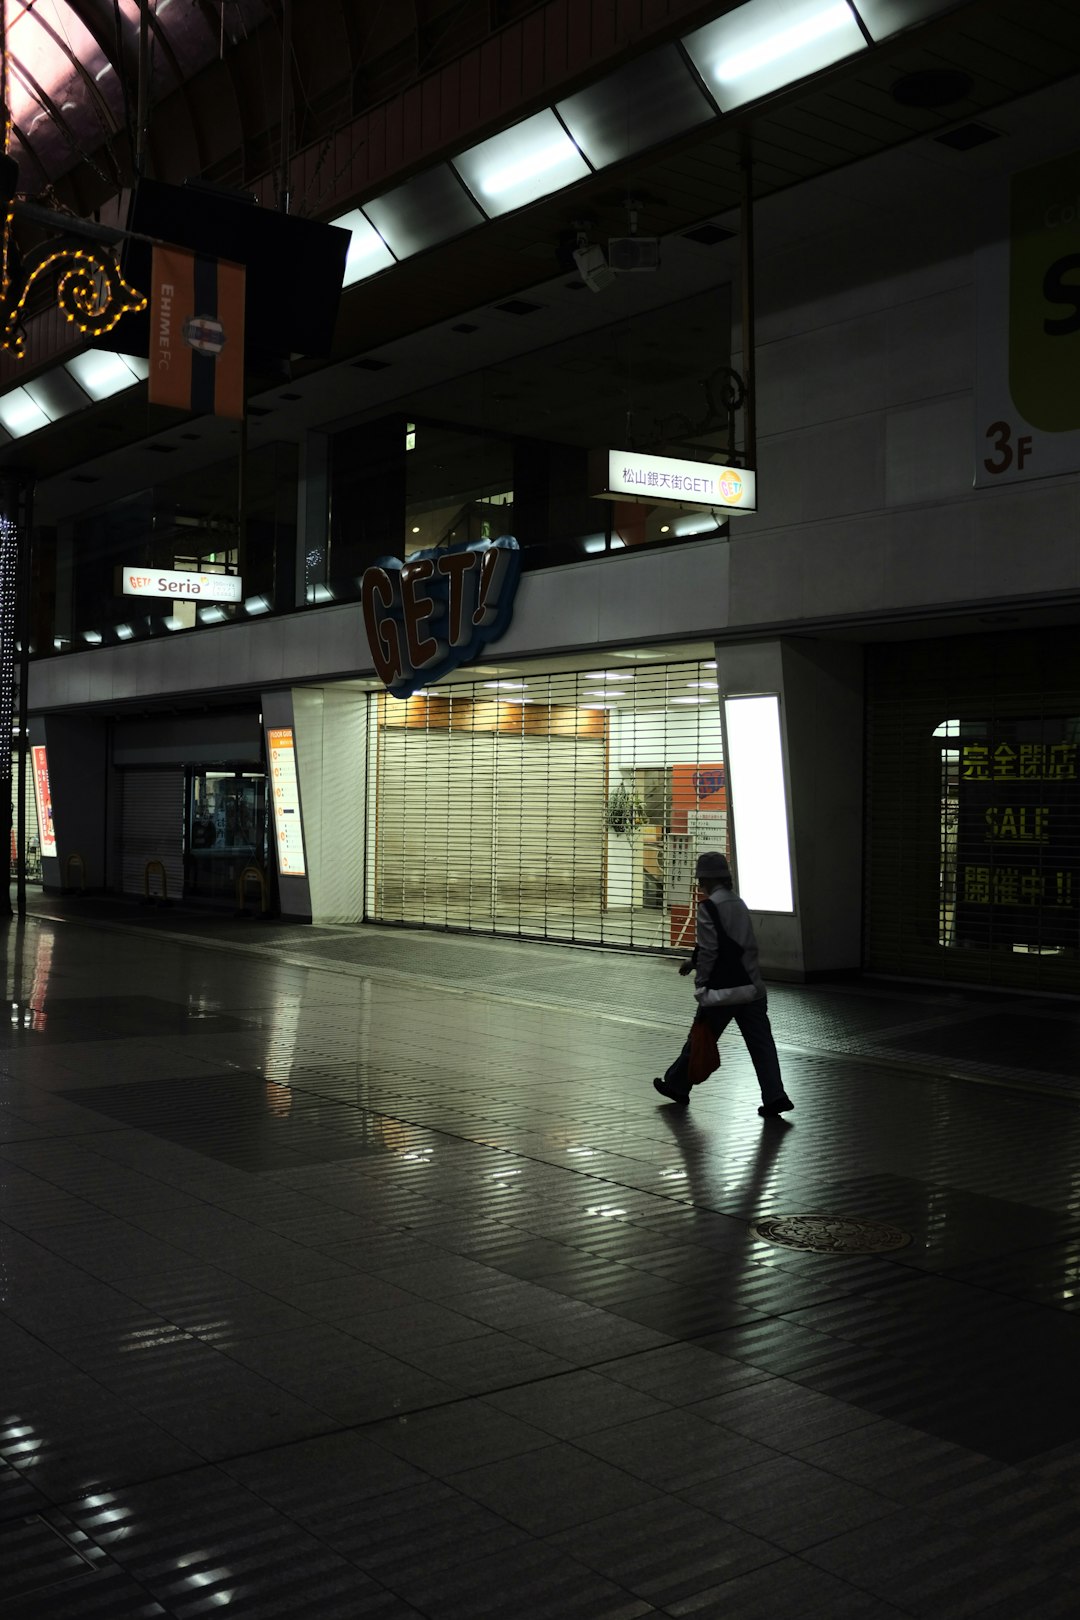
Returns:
point(521, 164)
point(124, 632)
point(19, 414)
point(92, 637)
point(754, 759)
point(766, 44)
point(101, 374)
point(256, 604)
point(211, 615)
point(174, 622)
point(368, 253)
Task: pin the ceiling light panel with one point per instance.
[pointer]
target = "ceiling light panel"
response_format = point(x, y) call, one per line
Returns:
point(650, 100)
point(57, 394)
point(522, 164)
point(101, 374)
point(886, 17)
point(430, 209)
point(767, 44)
point(19, 414)
point(368, 253)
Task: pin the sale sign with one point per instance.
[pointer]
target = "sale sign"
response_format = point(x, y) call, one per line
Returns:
point(427, 616)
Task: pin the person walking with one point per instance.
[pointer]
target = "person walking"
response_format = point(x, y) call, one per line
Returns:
point(728, 985)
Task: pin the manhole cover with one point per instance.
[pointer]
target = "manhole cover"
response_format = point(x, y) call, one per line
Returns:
point(831, 1234)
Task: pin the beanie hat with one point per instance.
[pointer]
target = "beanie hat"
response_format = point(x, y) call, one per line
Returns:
point(711, 865)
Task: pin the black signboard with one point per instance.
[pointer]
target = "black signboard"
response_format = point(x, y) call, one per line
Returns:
point(1018, 837)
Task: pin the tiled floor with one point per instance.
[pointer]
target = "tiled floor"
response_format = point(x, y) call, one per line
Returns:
point(352, 1273)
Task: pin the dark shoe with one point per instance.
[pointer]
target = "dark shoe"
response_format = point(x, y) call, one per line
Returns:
point(665, 1090)
point(782, 1105)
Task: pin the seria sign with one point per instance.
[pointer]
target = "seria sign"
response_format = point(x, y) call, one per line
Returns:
point(142, 581)
point(427, 616)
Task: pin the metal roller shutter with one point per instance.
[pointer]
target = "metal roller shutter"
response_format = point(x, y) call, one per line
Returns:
point(973, 811)
point(498, 801)
point(152, 829)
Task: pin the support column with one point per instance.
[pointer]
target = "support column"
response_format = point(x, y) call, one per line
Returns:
point(819, 685)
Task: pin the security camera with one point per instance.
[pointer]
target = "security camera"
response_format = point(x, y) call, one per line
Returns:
point(593, 267)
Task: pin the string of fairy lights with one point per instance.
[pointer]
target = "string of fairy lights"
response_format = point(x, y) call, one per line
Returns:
point(90, 291)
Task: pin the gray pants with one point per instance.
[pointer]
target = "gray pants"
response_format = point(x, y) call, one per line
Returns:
point(752, 1018)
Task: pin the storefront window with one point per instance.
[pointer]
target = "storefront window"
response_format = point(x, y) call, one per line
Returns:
point(167, 536)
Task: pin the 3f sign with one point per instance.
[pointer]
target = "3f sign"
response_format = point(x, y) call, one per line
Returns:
point(430, 614)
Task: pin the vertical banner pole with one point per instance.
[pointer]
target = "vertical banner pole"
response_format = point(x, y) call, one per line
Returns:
point(747, 277)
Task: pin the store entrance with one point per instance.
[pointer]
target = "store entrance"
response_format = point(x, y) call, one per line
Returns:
point(225, 830)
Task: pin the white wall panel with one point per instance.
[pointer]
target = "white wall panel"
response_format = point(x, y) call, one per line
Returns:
point(929, 451)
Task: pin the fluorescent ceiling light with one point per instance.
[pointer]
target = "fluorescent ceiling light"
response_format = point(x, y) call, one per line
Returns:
point(93, 637)
point(57, 394)
point(515, 686)
point(689, 700)
point(19, 414)
point(124, 631)
point(101, 374)
point(606, 697)
point(784, 43)
point(256, 604)
point(368, 253)
point(753, 756)
point(610, 675)
point(766, 44)
point(521, 164)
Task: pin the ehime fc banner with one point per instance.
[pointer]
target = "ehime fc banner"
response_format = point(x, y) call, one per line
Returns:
point(197, 333)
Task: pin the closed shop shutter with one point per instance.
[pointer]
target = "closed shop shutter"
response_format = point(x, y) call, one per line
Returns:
point(498, 802)
point(33, 835)
point(973, 811)
point(152, 829)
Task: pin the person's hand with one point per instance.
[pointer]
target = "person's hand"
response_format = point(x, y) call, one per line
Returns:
point(685, 968)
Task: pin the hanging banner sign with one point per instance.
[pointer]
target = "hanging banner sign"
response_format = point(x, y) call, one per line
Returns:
point(1027, 422)
point(197, 333)
point(43, 795)
point(691, 486)
point(433, 613)
point(285, 795)
point(143, 581)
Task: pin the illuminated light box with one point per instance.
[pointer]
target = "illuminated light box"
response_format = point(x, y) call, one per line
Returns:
point(630, 475)
point(43, 798)
point(285, 799)
point(765, 45)
point(162, 582)
point(521, 164)
point(754, 759)
point(368, 253)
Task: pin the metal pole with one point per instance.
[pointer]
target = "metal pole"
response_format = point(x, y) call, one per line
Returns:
point(142, 116)
point(747, 241)
point(26, 597)
point(286, 66)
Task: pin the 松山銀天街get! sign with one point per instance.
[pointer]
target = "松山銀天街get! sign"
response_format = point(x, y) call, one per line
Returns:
point(426, 616)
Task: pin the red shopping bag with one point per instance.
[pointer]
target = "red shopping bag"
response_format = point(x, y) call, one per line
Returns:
point(704, 1054)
